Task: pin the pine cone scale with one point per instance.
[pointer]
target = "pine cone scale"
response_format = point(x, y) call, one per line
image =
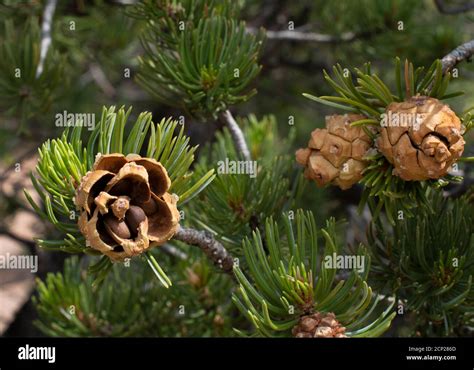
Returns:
point(132, 180)
point(88, 189)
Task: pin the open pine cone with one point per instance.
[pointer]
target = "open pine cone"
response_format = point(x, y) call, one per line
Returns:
point(125, 207)
point(335, 154)
point(426, 148)
point(319, 325)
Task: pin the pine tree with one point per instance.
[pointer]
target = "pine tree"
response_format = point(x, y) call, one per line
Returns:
point(186, 219)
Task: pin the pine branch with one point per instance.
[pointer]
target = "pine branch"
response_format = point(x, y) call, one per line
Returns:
point(101, 80)
point(125, 2)
point(128, 304)
point(194, 70)
point(46, 33)
point(310, 36)
point(292, 279)
point(462, 52)
point(210, 246)
point(434, 282)
point(174, 252)
point(237, 134)
point(462, 8)
point(301, 36)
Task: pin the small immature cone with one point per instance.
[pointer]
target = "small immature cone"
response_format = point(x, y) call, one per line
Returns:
point(319, 325)
point(422, 138)
point(335, 155)
point(125, 207)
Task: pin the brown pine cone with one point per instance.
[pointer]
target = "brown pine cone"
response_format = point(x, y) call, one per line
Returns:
point(319, 325)
point(125, 207)
point(335, 154)
point(421, 137)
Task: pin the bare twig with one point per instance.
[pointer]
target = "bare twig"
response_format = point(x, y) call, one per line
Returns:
point(237, 134)
point(21, 158)
point(125, 2)
point(301, 36)
point(462, 52)
point(46, 34)
point(310, 36)
point(101, 79)
point(210, 246)
point(173, 252)
point(462, 8)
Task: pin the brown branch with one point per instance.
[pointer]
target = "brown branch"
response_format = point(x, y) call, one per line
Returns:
point(462, 8)
point(236, 133)
point(462, 52)
point(214, 250)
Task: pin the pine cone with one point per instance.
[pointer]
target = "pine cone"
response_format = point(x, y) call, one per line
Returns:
point(125, 207)
point(335, 154)
point(427, 144)
point(319, 325)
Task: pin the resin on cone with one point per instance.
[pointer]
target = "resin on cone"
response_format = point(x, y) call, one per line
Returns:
point(335, 155)
point(319, 325)
point(125, 206)
point(428, 142)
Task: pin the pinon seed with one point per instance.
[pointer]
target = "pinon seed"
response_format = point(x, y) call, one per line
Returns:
point(134, 216)
point(107, 239)
point(149, 207)
point(119, 228)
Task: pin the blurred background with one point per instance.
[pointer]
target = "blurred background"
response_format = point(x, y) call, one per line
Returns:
point(94, 61)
